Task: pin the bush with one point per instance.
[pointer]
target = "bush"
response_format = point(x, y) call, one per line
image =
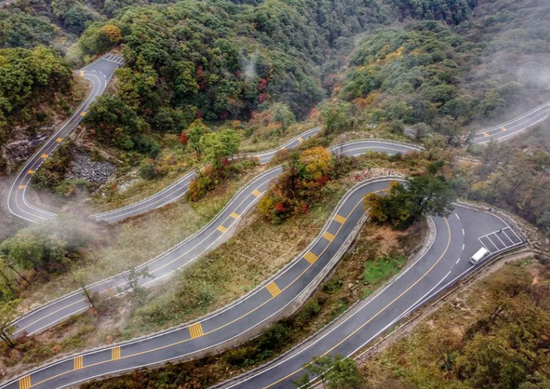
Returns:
point(147, 169)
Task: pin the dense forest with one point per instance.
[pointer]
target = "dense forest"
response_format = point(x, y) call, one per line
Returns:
point(439, 79)
point(217, 60)
point(32, 80)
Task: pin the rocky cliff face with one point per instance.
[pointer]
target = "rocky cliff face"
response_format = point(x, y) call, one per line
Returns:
point(20, 150)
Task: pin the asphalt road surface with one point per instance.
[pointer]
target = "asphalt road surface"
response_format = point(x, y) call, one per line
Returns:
point(98, 73)
point(208, 238)
point(180, 187)
point(457, 238)
point(513, 127)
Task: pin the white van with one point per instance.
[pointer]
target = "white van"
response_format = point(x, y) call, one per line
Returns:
point(481, 253)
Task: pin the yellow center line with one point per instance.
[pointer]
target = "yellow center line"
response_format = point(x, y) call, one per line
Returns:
point(379, 312)
point(222, 229)
point(216, 329)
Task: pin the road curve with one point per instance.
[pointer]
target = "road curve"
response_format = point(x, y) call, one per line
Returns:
point(208, 238)
point(180, 187)
point(98, 73)
point(175, 191)
point(457, 238)
point(509, 129)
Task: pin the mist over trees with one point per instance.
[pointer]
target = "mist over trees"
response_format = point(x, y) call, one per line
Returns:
point(216, 60)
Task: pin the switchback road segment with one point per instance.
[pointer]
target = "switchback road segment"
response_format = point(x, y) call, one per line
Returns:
point(98, 73)
point(181, 186)
point(208, 238)
point(457, 238)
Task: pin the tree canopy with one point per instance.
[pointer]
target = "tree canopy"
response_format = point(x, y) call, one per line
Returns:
point(424, 195)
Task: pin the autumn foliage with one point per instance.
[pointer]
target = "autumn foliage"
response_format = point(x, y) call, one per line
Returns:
point(305, 174)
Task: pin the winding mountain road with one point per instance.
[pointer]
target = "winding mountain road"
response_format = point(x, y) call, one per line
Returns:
point(208, 238)
point(457, 238)
point(513, 127)
point(98, 73)
point(446, 261)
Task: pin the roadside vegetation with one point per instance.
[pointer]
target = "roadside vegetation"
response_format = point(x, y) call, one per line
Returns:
point(376, 247)
point(514, 176)
point(219, 277)
point(37, 88)
point(490, 336)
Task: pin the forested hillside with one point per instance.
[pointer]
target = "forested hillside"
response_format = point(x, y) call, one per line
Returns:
point(450, 11)
point(27, 23)
point(217, 60)
point(495, 337)
point(35, 85)
point(442, 79)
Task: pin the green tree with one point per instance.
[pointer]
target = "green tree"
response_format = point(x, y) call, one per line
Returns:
point(338, 118)
point(118, 124)
point(219, 146)
point(283, 115)
point(195, 132)
point(334, 372)
point(424, 195)
point(7, 315)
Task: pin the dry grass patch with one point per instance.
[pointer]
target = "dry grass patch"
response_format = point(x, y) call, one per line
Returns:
point(115, 248)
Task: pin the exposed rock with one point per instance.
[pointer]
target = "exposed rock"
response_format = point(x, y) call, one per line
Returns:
point(21, 150)
point(83, 167)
